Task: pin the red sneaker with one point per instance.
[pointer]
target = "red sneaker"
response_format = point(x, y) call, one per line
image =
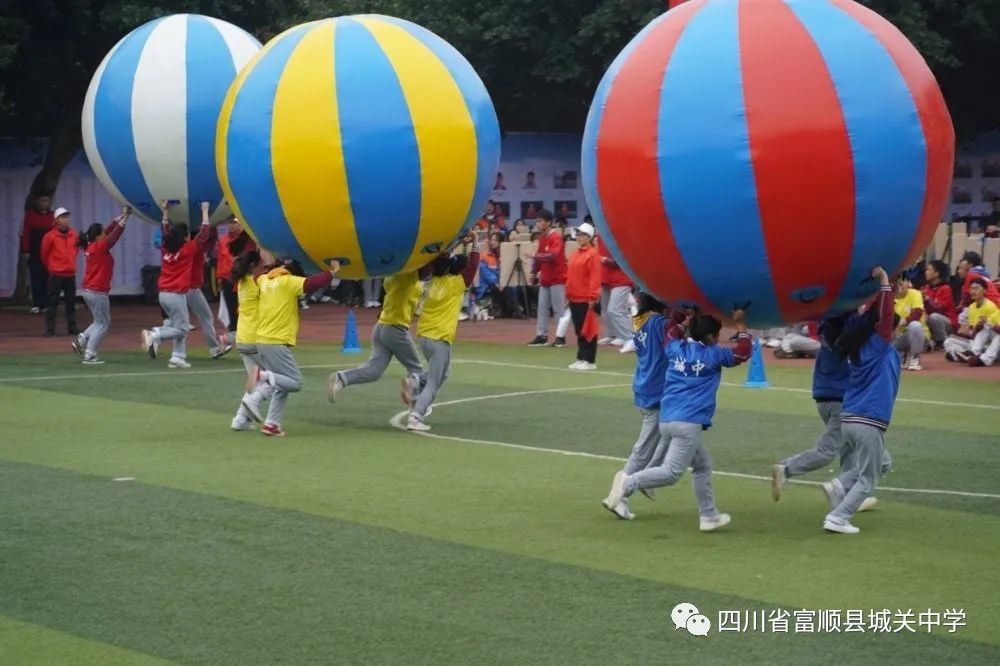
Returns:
point(272, 430)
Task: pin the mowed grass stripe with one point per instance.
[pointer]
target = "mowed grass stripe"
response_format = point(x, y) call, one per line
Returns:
point(26, 644)
point(199, 579)
point(536, 505)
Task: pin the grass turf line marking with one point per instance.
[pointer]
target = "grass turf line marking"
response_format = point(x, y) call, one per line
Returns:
point(154, 373)
point(397, 422)
point(606, 373)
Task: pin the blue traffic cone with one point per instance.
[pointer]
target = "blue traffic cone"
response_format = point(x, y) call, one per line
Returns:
point(351, 344)
point(756, 377)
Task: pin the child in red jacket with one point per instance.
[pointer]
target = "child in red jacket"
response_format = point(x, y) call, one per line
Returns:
point(59, 249)
point(96, 244)
point(939, 302)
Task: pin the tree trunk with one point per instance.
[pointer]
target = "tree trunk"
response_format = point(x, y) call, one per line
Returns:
point(63, 145)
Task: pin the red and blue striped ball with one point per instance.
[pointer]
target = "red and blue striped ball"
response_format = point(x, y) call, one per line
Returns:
point(770, 151)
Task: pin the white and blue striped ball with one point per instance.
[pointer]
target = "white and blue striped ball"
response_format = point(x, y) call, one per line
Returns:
point(150, 114)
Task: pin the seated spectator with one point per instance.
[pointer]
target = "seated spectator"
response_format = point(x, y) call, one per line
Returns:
point(977, 342)
point(489, 272)
point(801, 342)
point(521, 227)
point(939, 302)
point(969, 268)
point(912, 333)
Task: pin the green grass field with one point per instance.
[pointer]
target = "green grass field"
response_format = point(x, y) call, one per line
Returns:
point(349, 541)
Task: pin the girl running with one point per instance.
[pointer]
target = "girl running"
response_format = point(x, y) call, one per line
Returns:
point(695, 362)
point(650, 329)
point(175, 281)
point(96, 243)
point(243, 277)
point(277, 333)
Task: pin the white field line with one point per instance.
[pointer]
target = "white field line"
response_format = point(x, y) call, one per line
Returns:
point(397, 422)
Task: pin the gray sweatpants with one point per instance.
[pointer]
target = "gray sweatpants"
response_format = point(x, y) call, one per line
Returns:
point(100, 309)
point(912, 340)
point(550, 297)
point(438, 355)
point(278, 360)
point(373, 289)
point(387, 342)
point(251, 361)
point(646, 446)
point(684, 449)
point(175, 305)
point(801, 344)
point(617, 317)
point(827, 447)
point(199, 307)
point(940, 326)
point(868, 460)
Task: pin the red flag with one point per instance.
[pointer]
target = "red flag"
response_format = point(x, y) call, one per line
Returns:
point(591, 327)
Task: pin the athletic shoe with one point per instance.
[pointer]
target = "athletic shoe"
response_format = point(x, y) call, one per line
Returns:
point(219, 353)
point(79, 345)
point(575, 365)
point(938, 346)
point(773, 343)
point(839, 526)
point(409, 388)
point(252, 402)
point(778, 479)
point(334, 385)
point(271, 430)
point(617, 492)
point(416, 424)
point(539, 341)
point(621, 511)
point(604, 341)
point(974, 361)
point(914, 363)
point(242, 424)
point(617, 342)
point(463, 316)
point(784, 355)
point(559, 343)
point(715, 522)
point(586, 367)
point(650, 493)
point(325, 299)
point(628, 347)
point(93, 360)
point(176, 363)
point(868, 504)
point(34, 310)
point(834, 494)
point(150, 343)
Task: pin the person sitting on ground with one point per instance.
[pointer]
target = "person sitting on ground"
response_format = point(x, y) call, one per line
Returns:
point(969, 268)
point(977, 342)
point(912, 334)
point(939, 302)
point(802, 341)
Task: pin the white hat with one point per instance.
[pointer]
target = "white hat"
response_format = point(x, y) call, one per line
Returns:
point(586, 228)
point(60, 212)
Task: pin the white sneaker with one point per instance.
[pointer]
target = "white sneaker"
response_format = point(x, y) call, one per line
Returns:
point(773, 343)
point(840, 527)
point(79, 345)
point(252, 402)
point(176, 363)
point(242, 425)
point(586, 367)
point(334, 385)
point(715, 522)
point(463, 316)
point(617, 492)
point(868, 504)
point(622, 512)
point(778, 479)
point(416, 424)
point(914, 363)
point(628, 347)
point(617, 342)
point(604, 341)
point(150, 343)
point(92, 360)
point(575, 365)
point(834, 493)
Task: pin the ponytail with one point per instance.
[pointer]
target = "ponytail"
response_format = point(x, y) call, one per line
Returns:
point(92, 233)
point(243, 265)
point(175, 237)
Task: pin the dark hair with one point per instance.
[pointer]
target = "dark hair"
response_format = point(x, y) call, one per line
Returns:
point(497, 235)
point(175, 237)
point(440, 265)
point(857, 330)
point(974, 258)
point(89, 236)
point(239, 243)
point(294, 267)
point(831, 328)
point(649, 303)
point(980, 281)
point(544, 214)
point(243, 265)
point(703, 326)
point(942, 269)
point(562, 222)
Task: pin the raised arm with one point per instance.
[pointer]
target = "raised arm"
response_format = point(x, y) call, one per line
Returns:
point(678, 325)
point(114, 230)
point(469, 272)
point(744, 341)
point(321, 280)
point(883, 304)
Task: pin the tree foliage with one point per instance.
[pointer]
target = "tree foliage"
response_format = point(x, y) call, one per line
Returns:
point(540, 59)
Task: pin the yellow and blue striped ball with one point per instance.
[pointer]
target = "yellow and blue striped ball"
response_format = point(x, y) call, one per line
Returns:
point(366, 139)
